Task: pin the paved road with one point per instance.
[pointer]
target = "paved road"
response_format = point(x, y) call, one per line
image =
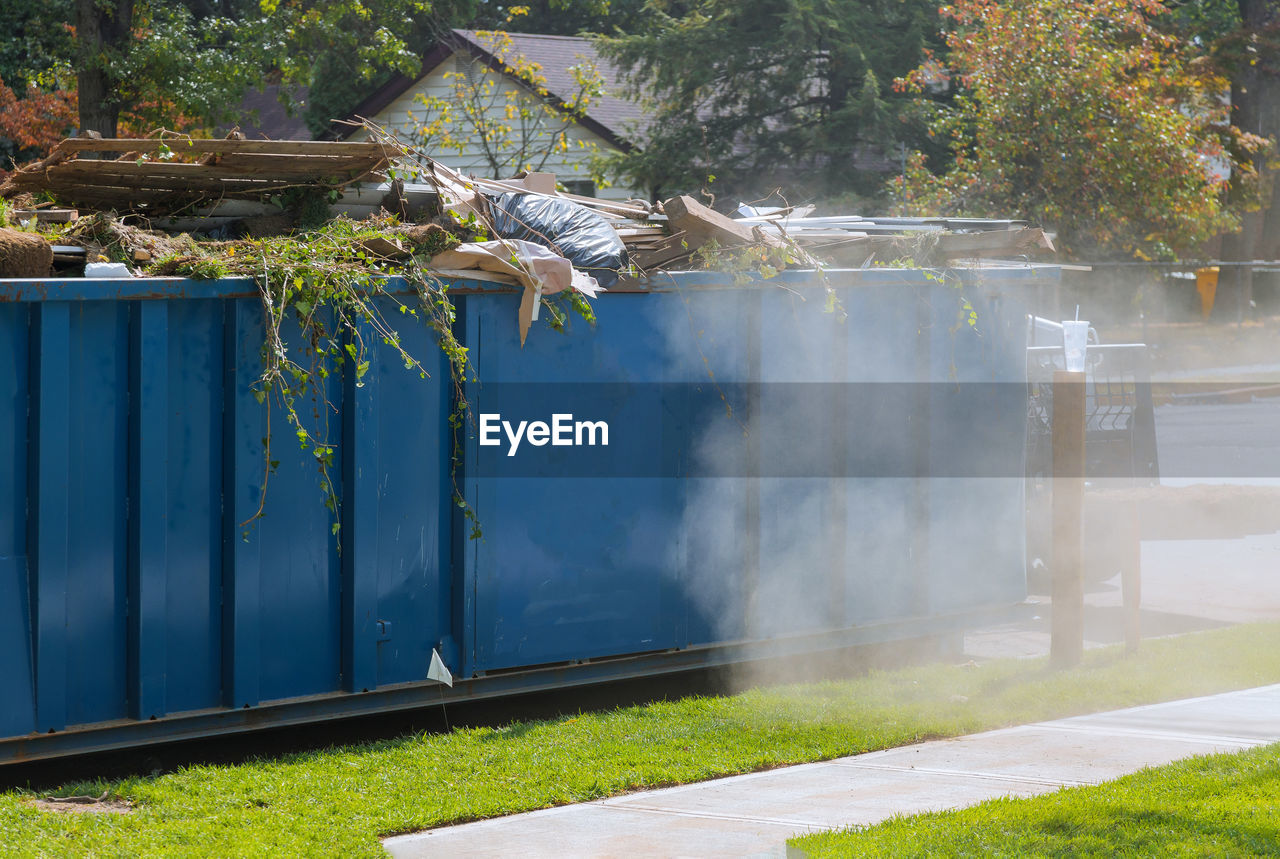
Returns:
point(1226, 442)
point(753, 815)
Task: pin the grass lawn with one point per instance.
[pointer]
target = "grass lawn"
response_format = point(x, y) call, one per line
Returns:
point(1218, 805)
point(339, 801)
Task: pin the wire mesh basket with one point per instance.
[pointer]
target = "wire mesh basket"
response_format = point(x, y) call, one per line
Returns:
point(1120, 440)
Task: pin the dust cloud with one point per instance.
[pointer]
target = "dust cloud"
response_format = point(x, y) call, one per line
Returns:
point(811, 525)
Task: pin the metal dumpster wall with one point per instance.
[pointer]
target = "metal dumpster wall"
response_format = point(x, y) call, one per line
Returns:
point(576, 567)
point(131, 459)
point(131, 455)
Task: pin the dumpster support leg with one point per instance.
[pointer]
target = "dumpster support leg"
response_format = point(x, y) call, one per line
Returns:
point(1131, 582)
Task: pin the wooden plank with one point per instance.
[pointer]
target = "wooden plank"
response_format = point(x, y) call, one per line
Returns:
point(650, 263)
point(670, 249)
point(20, 182)
point(277, 147)
point(250, 165)
point(293, 164)
point(610, 208)
point(703, 225)
point(1066, 644)
point(994, 242)
point(861, 253)
point(174, 188)
point(642, 234)
point(47, 216)
point(1131, 577)
point(28, 177)
point(121, 196)
point(167, 184)
point(665, 252)
point(90, 170)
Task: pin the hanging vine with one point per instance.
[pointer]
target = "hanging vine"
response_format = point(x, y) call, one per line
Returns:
point(330, 286)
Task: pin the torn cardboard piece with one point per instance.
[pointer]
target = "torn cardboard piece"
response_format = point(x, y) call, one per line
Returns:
point(457, 195)
point(540, 271)
point(538, 183)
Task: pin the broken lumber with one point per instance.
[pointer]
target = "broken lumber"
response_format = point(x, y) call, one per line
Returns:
point(358, 149)
point(245, 168)
point(994, 243)
point(47, 216)
point(701, 225)
point(667, 250)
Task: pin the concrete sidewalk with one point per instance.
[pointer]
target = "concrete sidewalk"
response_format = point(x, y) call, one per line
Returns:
point(753, 815)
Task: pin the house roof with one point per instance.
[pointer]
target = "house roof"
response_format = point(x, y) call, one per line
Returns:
point(610, 115)
point(260, 115)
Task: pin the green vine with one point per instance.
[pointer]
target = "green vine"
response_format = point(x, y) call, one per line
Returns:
point(765, 261)
point(329, 282)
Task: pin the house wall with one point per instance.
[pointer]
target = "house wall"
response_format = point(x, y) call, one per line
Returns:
point(405, 114)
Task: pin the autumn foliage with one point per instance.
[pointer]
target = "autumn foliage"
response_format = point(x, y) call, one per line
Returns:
point(1080, 115)
point(37, 121)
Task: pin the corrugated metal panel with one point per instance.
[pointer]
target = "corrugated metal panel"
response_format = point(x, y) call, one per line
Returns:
point(131, 454)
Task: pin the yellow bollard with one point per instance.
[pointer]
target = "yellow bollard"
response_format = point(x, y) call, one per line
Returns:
point(1207, 286)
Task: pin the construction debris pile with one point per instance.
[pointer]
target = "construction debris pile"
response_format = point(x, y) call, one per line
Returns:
point(164, 175)
point(159, 193)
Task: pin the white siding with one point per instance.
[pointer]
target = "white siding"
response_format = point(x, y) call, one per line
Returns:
point(405, 113)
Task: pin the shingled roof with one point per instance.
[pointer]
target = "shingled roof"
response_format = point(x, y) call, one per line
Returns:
point(610, 115)
point(261, 116)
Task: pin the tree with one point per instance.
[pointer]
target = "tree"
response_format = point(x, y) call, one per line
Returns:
point(187, 63)
point(759, 92)
point(510, 120)
point(161, 58)
point(1250, 57)
point(104, 35)
point(37, 98)
point(1083, 116)
point(36, 122)
point(36, 41)
point(566, 17)
point(337, 84)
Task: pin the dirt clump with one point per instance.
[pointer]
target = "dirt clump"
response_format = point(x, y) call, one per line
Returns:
point(24, 254)
point(104, 804)
point(430, 239)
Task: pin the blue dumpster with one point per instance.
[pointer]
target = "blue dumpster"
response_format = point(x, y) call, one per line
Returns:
point(136, 606)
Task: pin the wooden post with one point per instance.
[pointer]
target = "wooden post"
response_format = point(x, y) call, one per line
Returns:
point(1131, 579)
point(1066, 645)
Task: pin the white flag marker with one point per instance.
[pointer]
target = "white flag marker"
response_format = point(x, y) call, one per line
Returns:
point(437, 671)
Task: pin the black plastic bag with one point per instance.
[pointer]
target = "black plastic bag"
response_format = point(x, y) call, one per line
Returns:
point(582, 236)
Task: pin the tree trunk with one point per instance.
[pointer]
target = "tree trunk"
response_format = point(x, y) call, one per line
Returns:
point(104, 29)
point(1255, 108)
